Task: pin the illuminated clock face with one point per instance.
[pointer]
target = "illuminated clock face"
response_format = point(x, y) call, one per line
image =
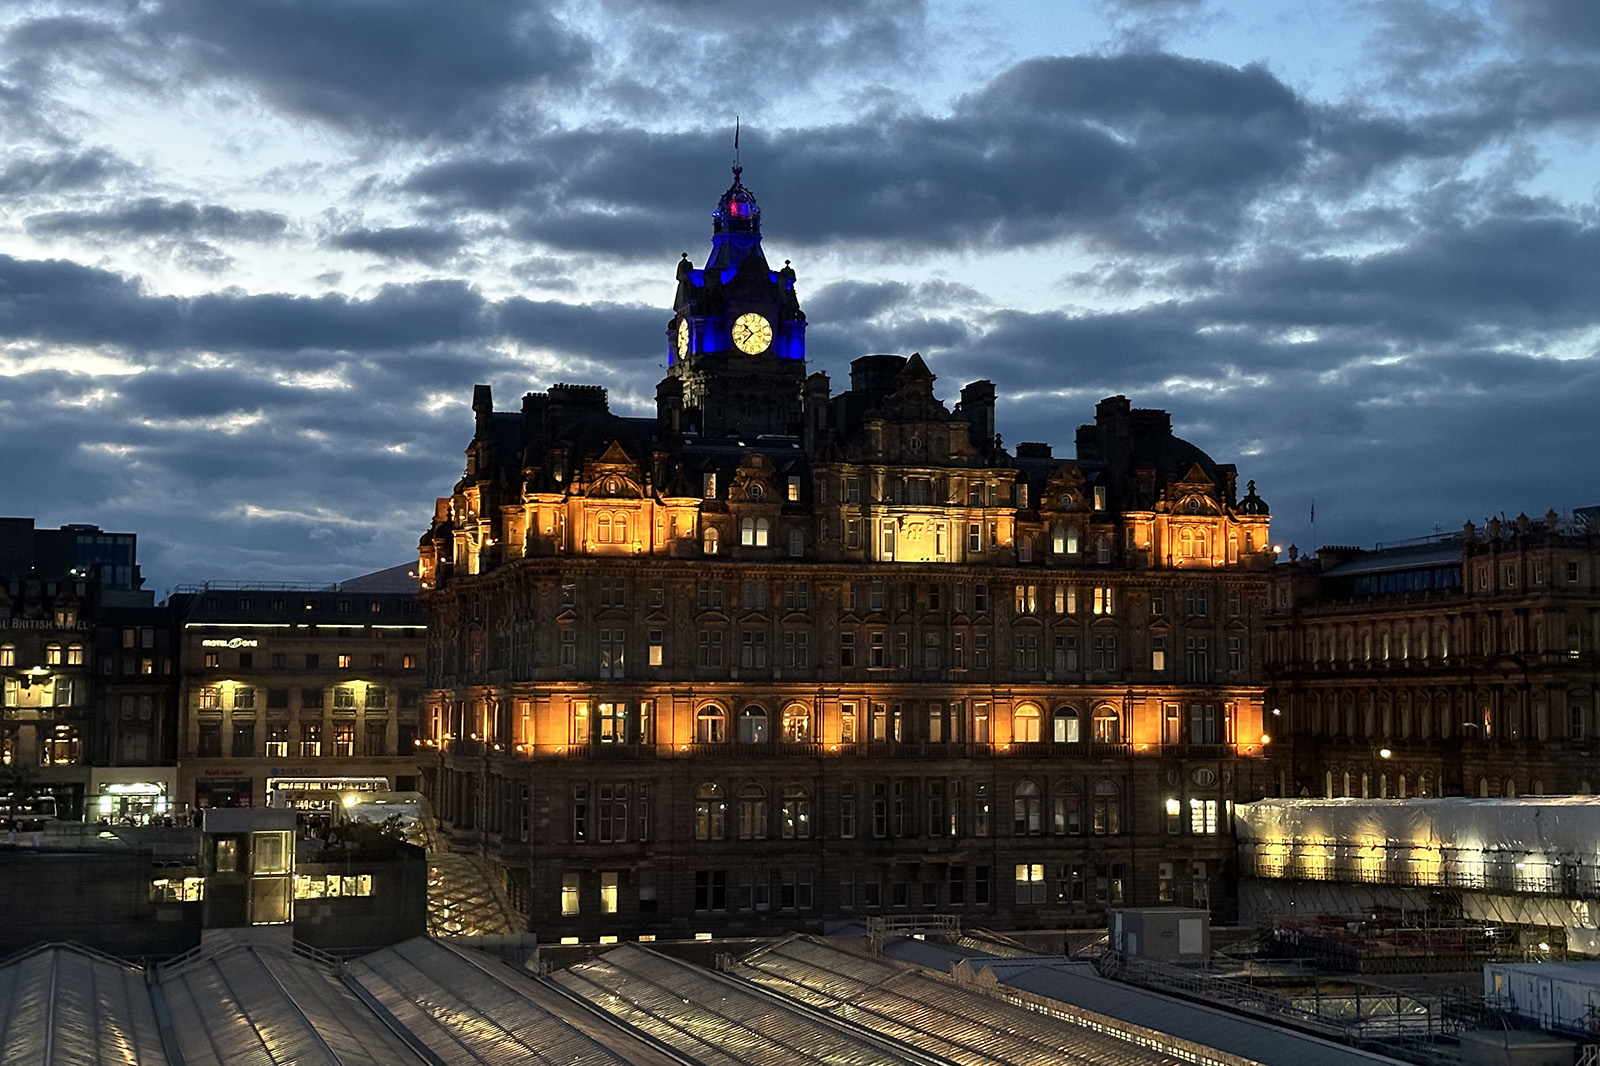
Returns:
point(683, 337)
point(752, 334)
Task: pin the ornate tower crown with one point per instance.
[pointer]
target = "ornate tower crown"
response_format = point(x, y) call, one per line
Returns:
point(737, 211)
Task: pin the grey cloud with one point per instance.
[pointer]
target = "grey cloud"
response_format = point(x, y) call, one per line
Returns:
point(424, 244)
point(418, 69)
point(63, 171)
point(1562, 24)
point(158, 218)
point(1511, 276)
point(664, 48)
point(65, 302)
point(1136, 152)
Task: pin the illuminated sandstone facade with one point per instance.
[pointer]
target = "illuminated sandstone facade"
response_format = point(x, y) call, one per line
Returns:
point(705, 672)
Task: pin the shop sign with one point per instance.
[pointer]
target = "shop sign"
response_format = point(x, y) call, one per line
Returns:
point(13, 622)
point(231, 642)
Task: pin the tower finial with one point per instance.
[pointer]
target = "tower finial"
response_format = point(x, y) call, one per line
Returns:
point(737, 169)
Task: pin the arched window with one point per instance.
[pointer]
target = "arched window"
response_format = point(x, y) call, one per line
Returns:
point(1107, 725)
point(74, 654)
point(1186, 543)
point(753, 725)
point(1024, 549)
point(1327, 788)
point(1483, 786)
point(619, 531)
point(1065, 727)
point(8, 654)
point(1347, 784)
point(747, 532)
point(603, 528)
point(796, 813)
point(797, 542)
point(1072, 540)
point(797, 723)
point(752, 812)
point(1025, 724)
point(1025, 810)
point(1066, 809)
point(1058, 540)
point(708, 542)
point(710, 812)
point(763, 532)
point(711, 725)
point(1102, 548)
point(1511, 786)
point(52, 654)
point(1107, 807)
point(1400, 791)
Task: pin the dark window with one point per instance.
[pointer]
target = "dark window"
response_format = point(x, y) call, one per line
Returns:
point(244, 740)
point(210, 746)
point(311, 699)
point(711, 890)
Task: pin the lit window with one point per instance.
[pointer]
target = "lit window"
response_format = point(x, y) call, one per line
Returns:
point(8, 655)
point(408, 662)
point(569, 895)
point(1025, 724)
point(1030, 882)
point(346, 661)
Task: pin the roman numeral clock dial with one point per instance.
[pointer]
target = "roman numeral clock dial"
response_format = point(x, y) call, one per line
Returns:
point(752, 334)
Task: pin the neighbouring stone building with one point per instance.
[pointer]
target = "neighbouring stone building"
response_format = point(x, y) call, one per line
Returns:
point(1462, 664)
point(90, 688)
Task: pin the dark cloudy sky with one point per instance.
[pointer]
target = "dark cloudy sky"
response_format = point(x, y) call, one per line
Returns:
point(257, 252)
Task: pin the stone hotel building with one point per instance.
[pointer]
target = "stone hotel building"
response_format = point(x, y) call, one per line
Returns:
point(781, 656)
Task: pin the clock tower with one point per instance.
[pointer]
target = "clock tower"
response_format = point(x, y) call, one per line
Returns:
point(736, 342)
